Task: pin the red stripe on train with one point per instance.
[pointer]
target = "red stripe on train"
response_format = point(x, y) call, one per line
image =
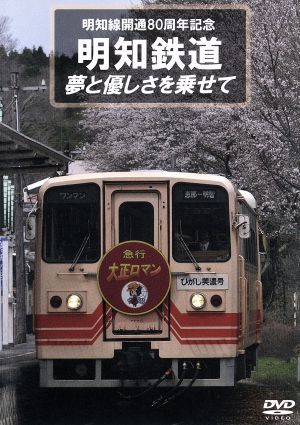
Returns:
point(68, 333)
point(81, 342)
point(182, 342)
point(204, 333)
point(207, 342)
point(204, 318)
point(68, 320)
point(88, 336)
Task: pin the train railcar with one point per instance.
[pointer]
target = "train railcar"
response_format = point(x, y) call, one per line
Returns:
point(146, 278)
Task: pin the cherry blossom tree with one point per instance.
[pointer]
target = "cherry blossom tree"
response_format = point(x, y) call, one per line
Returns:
point(261, 140)
point(256, 147)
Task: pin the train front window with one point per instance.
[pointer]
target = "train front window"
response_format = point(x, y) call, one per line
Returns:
point(71, 224)
point(200, 223)
point(136, 222)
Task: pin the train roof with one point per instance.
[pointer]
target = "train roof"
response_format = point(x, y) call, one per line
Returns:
point(141, 175)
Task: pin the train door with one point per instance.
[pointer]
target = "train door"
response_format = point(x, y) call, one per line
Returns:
point(136, 212)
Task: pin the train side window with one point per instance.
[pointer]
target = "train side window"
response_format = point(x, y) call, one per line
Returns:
point(136, 222)
point(71, 219)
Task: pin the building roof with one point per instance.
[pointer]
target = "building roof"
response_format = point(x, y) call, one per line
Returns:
point(20, 152)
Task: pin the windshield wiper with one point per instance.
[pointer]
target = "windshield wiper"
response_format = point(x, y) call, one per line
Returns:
point(188, 252)
point(79, 252)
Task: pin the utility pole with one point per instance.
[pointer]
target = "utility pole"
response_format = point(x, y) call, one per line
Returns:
point(20, 262)
point(14, 85)
point(18, 214)
point(296, 305)
point(20, 335)
point(14, 105)
point(1, 109)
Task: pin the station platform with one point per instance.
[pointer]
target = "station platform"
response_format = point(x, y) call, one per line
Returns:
point(19, 352)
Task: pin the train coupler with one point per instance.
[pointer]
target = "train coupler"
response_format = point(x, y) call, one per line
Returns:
point(172, 394)
point(150, 388)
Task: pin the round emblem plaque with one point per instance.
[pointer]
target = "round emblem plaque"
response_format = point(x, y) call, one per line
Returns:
point(134, 277)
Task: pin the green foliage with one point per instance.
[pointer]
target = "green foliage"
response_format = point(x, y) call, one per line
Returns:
point(33, 60)
point(57, 128)
point(277, 372)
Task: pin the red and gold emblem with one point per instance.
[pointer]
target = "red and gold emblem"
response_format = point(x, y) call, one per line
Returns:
point(134, 277)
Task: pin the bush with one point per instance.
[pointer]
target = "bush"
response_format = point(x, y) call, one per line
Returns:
point(278, 340)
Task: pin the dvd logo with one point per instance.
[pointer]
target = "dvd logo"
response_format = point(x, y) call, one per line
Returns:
point(275, 407)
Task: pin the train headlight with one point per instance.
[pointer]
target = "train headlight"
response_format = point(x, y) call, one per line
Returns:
point(198, 301)
point(55, 301)
point(216, 300)
point(74, 302)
